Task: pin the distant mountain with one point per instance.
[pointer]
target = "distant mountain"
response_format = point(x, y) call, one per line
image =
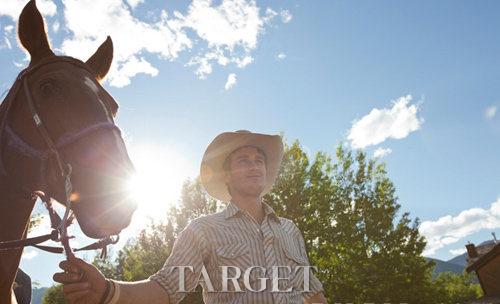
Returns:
point(462, 259)
point(456, 264)
point(37, 295)
point(459, 260)
point(442, 266)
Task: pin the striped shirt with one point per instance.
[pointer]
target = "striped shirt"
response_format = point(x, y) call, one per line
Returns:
point(233, 238)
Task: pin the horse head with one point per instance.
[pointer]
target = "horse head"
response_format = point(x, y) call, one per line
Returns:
point(78, 116)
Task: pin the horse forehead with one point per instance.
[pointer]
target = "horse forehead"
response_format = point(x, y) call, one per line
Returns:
point(91, 84)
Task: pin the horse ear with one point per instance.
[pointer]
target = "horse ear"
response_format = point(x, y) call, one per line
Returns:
point(31, 32)
point(100, 62)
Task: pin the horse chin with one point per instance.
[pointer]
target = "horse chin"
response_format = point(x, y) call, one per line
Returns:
point(98, 224)
point(97, 230)
point(94, 232)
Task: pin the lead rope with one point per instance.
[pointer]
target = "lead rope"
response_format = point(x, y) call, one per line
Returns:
point(59, 227)
point(60, 234)
point(63, 226)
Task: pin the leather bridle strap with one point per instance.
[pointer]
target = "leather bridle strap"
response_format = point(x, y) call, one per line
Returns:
point(41, 128)
point(64, 169)
point(54, 235)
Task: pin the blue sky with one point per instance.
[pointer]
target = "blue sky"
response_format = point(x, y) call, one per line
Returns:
point(416, 81)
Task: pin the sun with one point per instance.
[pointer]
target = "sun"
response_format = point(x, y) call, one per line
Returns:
point(157, 184)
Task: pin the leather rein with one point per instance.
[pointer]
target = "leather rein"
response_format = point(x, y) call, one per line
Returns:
point(53, 156)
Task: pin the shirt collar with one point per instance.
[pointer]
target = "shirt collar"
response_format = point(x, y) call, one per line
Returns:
point(270, 212)
point(232, 210)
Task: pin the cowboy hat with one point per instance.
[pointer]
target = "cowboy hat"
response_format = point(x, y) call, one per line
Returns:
point(212, 171)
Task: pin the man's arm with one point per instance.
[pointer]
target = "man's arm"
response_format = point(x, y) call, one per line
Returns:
point(83, 283)
point(146, 291)
point(90, 287)
point(317, 298)
point(316, 293)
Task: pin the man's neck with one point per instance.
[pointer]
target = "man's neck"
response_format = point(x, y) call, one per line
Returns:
point(252, 205)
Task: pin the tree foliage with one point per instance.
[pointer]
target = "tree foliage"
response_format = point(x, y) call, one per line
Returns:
point(365, 248)
point(35, 220)
point(348, 213)
point(54, 295)
point(456, 288)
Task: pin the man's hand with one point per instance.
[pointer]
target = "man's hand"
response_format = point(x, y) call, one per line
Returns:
point(83, 283)
point(318, 298)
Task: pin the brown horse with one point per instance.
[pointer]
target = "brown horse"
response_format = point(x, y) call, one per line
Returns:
point(77, 114)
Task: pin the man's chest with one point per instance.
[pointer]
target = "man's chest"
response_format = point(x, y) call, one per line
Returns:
point(251, 255)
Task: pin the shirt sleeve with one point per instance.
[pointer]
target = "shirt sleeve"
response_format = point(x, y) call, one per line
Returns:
point(187, 252)
point(315, 285)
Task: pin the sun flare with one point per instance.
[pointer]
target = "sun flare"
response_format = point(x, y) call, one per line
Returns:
point(157, 184)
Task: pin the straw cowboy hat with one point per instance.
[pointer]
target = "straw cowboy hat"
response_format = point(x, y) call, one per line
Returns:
point(212, 171)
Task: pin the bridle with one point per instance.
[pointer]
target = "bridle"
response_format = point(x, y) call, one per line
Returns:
point(50, 159)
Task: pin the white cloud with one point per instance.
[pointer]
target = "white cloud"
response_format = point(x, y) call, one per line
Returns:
point(224, 32)
point(230, 30)
point(23, 62)
point(243, 62)
point(204, 65)
point(131, 36)
point(458, 251)
point(55, 26)
point(381, 152)
point(490, 112)
point(281, 56)
point(6, 44)
point(134, 3)
point(450, 229)
point(13, 8)
point(231, 24)
point(29, 254)
point(19, 64)
point(380, 124)
point(269, 15)
point(8, 28)
point(231, 81)
point(286, 16)
point(8, 33)
point(204, 62)
point(129, 69)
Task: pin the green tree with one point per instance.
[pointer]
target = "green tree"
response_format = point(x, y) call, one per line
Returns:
point(366, 250)
point(348, 213)
point(35, 220)
point(54, 295)
point(454, 288)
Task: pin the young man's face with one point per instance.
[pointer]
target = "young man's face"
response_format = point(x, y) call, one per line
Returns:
point(246, 172)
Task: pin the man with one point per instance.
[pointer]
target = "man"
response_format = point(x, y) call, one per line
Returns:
point(244, 254)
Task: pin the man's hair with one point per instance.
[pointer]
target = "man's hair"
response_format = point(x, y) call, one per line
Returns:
point(227, 162)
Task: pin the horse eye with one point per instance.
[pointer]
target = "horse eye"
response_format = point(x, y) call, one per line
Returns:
point(48, 89)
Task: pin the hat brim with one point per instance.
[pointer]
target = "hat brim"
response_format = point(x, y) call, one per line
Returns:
point(212, 171)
